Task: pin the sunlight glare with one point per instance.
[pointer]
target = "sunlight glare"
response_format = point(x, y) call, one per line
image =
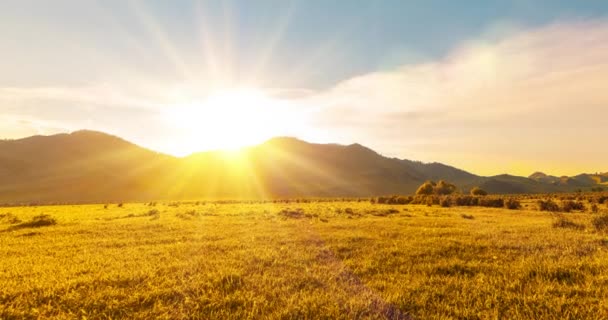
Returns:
point(226, 120)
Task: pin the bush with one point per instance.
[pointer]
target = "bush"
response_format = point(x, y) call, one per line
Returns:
point(393, 200)
point(548, 205)
point(153, 212)
point(492, 202)
point(426, 188)
point(445, 202)
point(563, 222)
point(569, 205)
point(512, 204)
point(403, 200)
point(294, 214)
point(477, 191)
point(444, 188)
point(601, 223)
point(463, 201)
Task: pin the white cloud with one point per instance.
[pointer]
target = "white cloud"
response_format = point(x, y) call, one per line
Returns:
point(534, 98)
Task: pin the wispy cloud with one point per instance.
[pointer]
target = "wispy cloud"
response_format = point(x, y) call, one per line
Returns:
point(532, 100)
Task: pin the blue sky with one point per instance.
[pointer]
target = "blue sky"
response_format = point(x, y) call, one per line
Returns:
point(371, 72)
point(322, 42)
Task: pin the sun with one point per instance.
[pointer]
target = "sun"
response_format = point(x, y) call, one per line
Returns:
point(226, 120)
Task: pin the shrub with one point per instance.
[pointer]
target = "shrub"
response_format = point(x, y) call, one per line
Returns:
point(601, 223)
point(477, 191)
point(467, 216)
point(463, 201)
point(426, 188)
point(403, 200)
point(444, 188)
point(512, 204)
point(295, 214)
point(394, 200)
point(548, 205)
point(594, 208)
point(153, 212)
point(563, 222)
point(445, 202)
point(569, 205)
point(492, 202)
point(382, 200)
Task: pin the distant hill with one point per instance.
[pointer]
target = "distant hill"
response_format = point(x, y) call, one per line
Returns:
point(580, 181)
point(84, 165)
point(88, 166)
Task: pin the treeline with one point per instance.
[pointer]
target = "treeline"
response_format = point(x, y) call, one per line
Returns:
point(445, 194)
point(451, 200)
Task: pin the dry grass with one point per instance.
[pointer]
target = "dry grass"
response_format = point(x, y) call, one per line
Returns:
point(333, 260)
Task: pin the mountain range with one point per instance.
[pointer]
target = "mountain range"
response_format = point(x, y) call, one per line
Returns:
point(89, 166)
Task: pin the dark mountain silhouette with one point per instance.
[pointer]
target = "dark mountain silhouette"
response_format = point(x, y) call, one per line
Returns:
point(579, 181)
point(88, 166)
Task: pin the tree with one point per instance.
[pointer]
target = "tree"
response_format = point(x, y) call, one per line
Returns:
point(477, 191)
point(426, 188)
point(444, 188)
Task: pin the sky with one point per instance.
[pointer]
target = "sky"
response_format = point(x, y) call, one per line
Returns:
point(490, 87)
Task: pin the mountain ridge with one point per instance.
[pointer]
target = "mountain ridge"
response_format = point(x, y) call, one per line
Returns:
point(92, 166)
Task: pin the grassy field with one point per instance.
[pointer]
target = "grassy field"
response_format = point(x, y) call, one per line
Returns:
point(329, 260)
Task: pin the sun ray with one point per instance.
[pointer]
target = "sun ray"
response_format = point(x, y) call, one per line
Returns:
point(162, 40)
point(274, 40)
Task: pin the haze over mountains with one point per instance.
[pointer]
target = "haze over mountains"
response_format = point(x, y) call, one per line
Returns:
point(88, 166)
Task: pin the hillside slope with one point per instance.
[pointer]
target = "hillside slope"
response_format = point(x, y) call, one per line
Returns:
point(82, 166)
point(87, 166)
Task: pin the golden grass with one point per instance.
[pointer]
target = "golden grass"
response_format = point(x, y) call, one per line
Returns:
point(332, 260)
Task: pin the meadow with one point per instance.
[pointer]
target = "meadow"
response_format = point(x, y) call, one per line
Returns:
point(294, 260)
